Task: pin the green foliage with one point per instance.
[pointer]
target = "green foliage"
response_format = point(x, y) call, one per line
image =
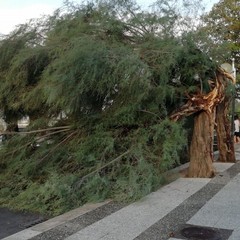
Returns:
point(170, 136)
point(90, 74)
point(138, 181)
point(116, 73)
point(222, 25)
point(88, 168)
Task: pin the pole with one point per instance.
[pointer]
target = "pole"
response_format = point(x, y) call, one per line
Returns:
point(233, 95)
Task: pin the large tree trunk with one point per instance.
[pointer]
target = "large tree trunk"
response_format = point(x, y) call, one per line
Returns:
point(223, 129)
point(201, 151)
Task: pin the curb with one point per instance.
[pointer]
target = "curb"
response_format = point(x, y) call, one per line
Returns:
point(54, 222)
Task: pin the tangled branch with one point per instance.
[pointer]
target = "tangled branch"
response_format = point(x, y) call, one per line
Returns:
point(204, 102)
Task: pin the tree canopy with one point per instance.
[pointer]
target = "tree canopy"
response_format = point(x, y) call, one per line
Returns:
point(222, 24)
point(99, 82)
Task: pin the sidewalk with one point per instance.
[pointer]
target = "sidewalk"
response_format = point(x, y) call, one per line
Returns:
point(188, 207)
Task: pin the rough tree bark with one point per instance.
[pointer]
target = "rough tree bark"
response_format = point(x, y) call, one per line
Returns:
point(201, 150)
point(201, 154)
point(225, 141)
point(223, 128)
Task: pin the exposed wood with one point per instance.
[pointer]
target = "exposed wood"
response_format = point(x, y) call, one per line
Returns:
point(204, 105)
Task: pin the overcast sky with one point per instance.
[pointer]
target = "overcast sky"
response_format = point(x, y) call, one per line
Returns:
point(14, 12)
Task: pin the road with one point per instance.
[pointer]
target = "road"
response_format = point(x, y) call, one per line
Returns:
point(12, 222)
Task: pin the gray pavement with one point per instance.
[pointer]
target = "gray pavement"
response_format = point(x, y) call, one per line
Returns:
point(187, 208)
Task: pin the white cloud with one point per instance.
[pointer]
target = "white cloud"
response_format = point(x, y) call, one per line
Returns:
point(9, 18)
point(17, 12)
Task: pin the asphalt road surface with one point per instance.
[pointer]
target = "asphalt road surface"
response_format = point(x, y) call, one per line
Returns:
point(12, 222)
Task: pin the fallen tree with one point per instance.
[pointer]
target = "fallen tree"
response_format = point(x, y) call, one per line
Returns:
point(204, 106)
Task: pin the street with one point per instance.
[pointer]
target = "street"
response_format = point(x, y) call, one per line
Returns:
point(12, 222)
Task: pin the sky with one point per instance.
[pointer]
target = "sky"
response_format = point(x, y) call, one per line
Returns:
point(14, 12)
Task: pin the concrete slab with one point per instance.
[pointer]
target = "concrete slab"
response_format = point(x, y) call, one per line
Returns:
point(235, 235)
point(175, 239)
point(54, 222)
point(221, 167)
point(23, 235)
point(222, 211)
point(68, 228)
point(130, 221)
